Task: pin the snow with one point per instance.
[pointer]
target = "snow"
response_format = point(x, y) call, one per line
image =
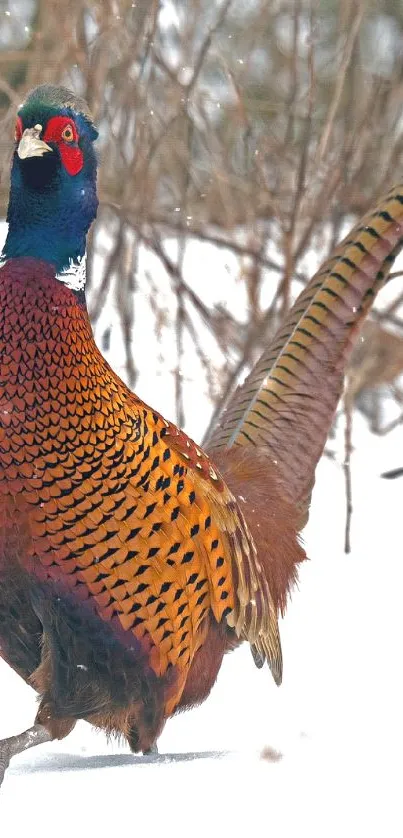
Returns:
point(336, 722)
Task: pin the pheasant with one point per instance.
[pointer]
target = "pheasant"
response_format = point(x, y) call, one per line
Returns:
point(131, 560)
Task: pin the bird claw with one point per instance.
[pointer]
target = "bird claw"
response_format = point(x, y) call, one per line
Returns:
point(35, 735)
point(5, 757)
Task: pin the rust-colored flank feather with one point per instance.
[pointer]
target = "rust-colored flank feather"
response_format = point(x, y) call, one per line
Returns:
point(130, 561)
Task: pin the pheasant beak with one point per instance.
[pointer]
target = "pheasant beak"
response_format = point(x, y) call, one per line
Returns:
point(31, 145)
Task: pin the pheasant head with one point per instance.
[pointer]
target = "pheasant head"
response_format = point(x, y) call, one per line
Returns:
point(53, 197)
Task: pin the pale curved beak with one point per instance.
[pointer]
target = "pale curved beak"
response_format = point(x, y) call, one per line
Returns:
point(31, 145)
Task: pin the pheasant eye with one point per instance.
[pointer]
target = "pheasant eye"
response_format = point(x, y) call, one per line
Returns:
point(68, 134)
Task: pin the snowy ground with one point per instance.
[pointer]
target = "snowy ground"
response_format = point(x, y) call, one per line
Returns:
point(336, 721)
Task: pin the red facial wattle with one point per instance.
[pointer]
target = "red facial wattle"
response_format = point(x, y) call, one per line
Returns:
point(19, 129)
point(70, 153)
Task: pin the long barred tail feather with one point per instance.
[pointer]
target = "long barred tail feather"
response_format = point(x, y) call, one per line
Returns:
point(287, 403)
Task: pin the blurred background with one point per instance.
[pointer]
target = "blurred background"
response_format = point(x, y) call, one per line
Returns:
point(238, 142)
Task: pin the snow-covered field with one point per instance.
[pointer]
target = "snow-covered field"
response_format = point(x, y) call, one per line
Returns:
point(336, 722)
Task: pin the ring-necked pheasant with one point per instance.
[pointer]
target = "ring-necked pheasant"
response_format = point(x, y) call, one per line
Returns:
point(129, 561)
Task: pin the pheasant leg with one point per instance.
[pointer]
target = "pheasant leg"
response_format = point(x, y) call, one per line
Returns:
point(35, 735)
point(152, 750)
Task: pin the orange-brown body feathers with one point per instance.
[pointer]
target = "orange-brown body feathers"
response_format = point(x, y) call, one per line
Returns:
point(122, 519)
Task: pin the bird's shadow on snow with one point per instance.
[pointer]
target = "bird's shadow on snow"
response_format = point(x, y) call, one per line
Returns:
point(80, 762)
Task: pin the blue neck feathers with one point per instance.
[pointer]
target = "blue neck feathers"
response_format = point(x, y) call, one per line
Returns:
point(50, 211)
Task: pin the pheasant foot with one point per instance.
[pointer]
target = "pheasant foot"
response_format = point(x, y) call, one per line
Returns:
point(35, 735)
point(153, 749)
